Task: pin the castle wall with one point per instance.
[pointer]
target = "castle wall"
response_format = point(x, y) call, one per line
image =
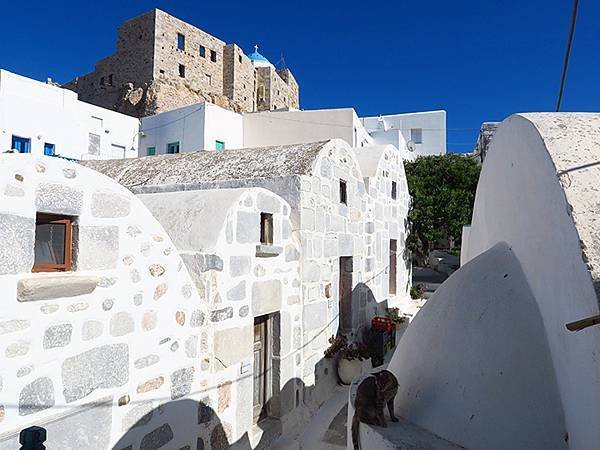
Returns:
point(292, 97)
point(239, 83)
point(273, 92)
point(201, 73)
point(144, 77)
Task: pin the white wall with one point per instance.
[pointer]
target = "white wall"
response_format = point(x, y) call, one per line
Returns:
point(551, 224)
point(49, 114)
point(474, 366)
point(222, 125)
point(432, 124)
point(195, 127)
point(297, 127)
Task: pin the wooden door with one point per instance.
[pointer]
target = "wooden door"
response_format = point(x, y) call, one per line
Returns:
point(393, 261)
point(261, 366)
point(345, 293)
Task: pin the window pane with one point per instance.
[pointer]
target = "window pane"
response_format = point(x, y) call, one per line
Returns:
point(93, 144)
point(20, 144)
point(50, 243)
point(173, 147)
point(416, 135)
point(48, 149)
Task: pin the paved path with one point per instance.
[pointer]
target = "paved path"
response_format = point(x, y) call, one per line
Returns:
point(327, 428)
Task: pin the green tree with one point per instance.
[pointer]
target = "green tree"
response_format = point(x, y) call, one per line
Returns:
point(443, 191)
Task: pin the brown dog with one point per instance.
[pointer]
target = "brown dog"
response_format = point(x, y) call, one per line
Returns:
point(372, 395)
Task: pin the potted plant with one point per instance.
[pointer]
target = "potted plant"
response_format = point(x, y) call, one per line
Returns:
point(349, 357)
point(394, 315)
point(417, 291)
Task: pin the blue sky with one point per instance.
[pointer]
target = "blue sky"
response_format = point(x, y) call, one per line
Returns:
point(479, 60)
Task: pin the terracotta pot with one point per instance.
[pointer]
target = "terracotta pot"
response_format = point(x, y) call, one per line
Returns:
point(348, 370)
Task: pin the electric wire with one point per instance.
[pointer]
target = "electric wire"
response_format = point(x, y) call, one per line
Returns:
point(567, 54)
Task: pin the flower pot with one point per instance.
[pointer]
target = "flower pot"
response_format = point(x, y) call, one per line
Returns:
point(348, 370)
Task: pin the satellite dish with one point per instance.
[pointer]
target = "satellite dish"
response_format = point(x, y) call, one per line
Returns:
point(411, 146)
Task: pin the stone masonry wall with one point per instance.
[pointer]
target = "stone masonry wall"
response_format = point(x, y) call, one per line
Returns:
point(273, 92)
point(390, 221)
point(201, 73)
point(241, 280)
point(292, 96)
point(111, 354)
point(325, 228)
point(239, 80)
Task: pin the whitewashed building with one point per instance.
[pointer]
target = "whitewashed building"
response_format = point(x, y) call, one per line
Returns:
point(44, 119)
point(112, 329)
point(202, 126)
point(236, 245)
point(424, 131)
point(347, 214)
point(208, 127)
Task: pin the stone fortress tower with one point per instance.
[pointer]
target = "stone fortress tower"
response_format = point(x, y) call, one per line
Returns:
point(163, 63)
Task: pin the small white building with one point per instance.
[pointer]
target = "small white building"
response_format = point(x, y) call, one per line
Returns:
point(425, 131)
point(45, 119)
point(206, 126)
point(202, 126)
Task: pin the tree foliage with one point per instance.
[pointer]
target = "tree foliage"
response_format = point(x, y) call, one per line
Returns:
point(443, 191)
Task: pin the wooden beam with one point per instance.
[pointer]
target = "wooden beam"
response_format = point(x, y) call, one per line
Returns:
point(579, 325)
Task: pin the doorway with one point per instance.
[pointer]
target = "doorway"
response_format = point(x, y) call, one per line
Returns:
point(393, 271)
point(345, 293)
point(262, 366)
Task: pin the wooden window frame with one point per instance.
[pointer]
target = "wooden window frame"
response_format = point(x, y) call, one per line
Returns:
point(266, 232)
point(213, 55)
point(67, 266)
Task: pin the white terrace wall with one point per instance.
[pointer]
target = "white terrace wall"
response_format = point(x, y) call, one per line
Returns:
point(538, 191)
point(217, 233)
point(99, 355)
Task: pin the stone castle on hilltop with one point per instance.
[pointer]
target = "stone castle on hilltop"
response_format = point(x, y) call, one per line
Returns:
point(163, 63)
